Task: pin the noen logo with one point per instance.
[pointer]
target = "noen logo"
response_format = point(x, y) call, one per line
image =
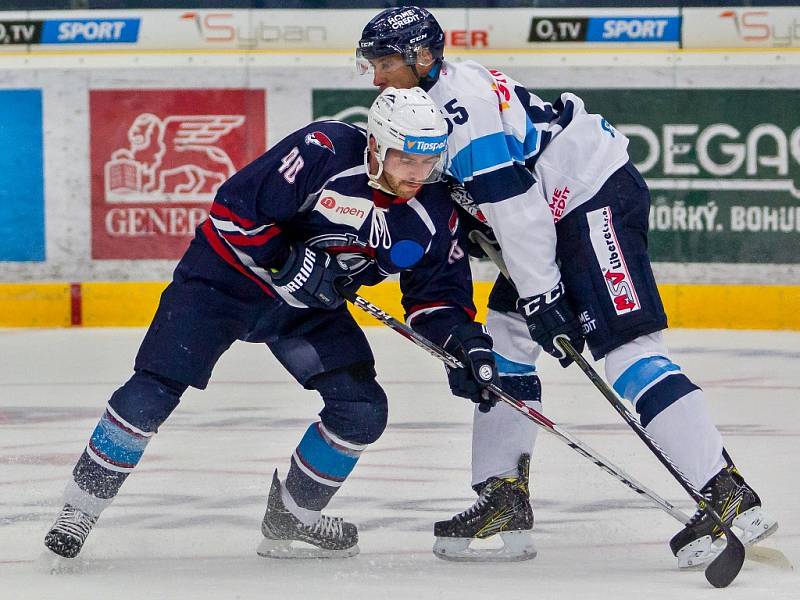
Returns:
point(328, 202)
point(425, 145)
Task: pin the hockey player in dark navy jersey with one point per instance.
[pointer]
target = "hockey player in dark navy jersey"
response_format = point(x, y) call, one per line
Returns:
point(329, 205)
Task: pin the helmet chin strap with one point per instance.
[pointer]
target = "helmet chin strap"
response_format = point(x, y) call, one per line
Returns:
point(374, 180)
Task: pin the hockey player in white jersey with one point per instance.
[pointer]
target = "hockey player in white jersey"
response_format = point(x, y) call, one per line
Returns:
point(554, 185)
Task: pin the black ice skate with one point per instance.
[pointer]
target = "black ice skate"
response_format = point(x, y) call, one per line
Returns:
point(328, 537)
point(738, 506)
point(69, 532)
point(503, 507)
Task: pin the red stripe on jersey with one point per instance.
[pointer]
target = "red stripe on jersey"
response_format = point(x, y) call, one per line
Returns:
point(219, 247)
point(369, 250)
point(238, 239)
point(217, 210)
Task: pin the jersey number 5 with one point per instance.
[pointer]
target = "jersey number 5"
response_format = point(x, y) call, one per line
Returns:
point(291, 165)
point(459, 115)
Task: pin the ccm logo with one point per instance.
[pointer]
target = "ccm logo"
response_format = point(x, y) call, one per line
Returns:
point(542, 301)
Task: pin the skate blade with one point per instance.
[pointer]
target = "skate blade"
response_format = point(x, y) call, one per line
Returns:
point(51, 563)
point(768, 556)
point(270, 548)
point(517, 546)
point(751, 527)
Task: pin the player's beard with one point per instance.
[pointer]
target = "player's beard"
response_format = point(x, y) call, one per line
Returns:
point(401, 188)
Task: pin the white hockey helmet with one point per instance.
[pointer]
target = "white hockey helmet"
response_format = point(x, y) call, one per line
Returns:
point(408, 121)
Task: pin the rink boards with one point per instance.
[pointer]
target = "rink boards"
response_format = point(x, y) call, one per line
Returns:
point(111, 304)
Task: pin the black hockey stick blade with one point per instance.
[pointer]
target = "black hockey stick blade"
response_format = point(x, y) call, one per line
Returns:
point(726, 566)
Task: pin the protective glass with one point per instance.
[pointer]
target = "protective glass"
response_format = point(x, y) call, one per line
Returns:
point(383, 65)
point(414, 168)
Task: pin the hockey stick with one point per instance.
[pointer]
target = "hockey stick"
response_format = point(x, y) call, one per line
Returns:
point(517, 405)
point(727, 564)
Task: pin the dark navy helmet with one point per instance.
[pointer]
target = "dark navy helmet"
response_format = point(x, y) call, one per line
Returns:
point(401, 30)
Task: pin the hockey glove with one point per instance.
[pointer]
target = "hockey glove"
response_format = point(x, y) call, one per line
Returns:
point(549, 316)
point(470, 344)
point(309, 276)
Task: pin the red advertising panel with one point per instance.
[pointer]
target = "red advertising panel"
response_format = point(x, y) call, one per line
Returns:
point(157, 159)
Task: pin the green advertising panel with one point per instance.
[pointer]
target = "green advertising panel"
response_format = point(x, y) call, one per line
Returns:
point(723, 165)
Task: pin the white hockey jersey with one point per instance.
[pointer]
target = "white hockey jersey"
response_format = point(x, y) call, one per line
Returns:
point(525, 162)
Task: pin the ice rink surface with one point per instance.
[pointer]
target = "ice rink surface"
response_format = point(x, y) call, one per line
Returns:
point(186, 523)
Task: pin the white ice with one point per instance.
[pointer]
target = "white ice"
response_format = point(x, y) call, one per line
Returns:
point(186, 523)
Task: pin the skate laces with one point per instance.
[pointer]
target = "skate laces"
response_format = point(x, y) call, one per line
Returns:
point(329, 526)
point(74, 522)
point(483, 499)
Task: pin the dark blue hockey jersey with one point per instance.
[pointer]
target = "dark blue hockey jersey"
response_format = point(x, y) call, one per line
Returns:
point(313, 186)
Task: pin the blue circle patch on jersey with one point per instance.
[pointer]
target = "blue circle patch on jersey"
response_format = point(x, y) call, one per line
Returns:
point(406, 253)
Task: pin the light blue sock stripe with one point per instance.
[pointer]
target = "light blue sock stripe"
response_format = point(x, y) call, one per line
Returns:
point(323, 458)
point(116, 443)
point(641, 374)
point(509, 367)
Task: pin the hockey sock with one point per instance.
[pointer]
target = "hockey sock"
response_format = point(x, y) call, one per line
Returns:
point(673, 411)
point(114, 449)
point(319, 466)
point(490, 459)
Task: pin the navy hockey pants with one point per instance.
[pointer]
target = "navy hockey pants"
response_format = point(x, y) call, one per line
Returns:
point(602, 251)
point(208, 306)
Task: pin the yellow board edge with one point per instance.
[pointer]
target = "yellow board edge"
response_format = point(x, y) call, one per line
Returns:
point(132, 304)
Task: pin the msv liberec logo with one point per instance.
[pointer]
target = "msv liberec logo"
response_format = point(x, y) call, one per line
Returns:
point(425, 145)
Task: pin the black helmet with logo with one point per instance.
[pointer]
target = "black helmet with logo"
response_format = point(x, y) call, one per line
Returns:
point(401, 30)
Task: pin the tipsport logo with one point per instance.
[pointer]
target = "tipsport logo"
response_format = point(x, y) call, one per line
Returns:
point(425, 145)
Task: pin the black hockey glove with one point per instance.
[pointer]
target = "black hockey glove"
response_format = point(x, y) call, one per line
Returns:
point(470, 344)
point(309, 276)
point(550, 316)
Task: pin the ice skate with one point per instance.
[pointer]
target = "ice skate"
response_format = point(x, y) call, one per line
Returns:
point(285, 536)
point(503, 508)
point(69, 532)
point(738, 506)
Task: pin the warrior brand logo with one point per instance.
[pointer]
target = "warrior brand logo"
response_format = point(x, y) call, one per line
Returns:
point(612, 262)
point(419, 145)
point(558, 202)
point(320, 139)
point(299, 280)
point(347, 210)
